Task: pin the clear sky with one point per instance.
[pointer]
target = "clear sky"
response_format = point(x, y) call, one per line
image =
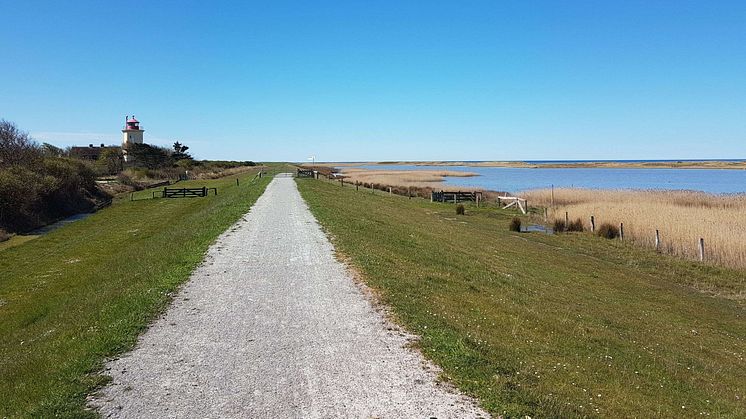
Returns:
point(380, 80)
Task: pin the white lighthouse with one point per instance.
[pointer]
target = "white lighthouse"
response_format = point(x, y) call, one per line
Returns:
point(131, 134)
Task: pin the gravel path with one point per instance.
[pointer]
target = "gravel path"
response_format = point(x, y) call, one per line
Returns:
point(271, 325)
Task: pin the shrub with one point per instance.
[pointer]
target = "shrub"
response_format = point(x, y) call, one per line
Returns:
point(559, 225)
point(576, 225)
point(4, 235)
point(36, 190)
point(608, 230)
point(515, 224)
point(460, 210)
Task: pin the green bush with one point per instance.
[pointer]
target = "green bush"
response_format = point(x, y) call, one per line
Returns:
point(36, 189)
point(607, 230)
point(515, 224)
point(460, 210)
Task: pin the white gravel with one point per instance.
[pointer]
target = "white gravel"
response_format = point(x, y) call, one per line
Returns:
point(272, 325)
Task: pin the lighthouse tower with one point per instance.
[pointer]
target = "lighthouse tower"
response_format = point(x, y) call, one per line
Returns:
point(131, 134)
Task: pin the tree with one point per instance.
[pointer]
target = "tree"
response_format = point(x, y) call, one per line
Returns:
point(16, 147)
point(180, 152)
point(48, 150)
point(110, 161)
point(149, 156)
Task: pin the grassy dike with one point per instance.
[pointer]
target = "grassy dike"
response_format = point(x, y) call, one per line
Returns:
point(82, 293)
point(549, 326)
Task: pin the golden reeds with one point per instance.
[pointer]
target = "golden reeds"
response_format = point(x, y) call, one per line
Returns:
point(681, 217)
point(405, 178)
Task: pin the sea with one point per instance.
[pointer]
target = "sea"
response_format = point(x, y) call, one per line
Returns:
point(510, 179)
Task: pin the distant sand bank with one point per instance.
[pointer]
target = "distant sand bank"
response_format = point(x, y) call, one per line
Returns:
point(710, 164)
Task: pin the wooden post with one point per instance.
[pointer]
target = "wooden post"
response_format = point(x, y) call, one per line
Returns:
point(236, 181)
point(357, 186)
point(552, 195)
point(621, 231)
point(132, 196)
point(567, 219)
point(593, 224)
point(455, 197)
point(431, 196)
point(478, 196)
point(389, 190)
point(545, 214)
point(409, 192)
point(701, 249)
point(341, 182)
point(657, 241)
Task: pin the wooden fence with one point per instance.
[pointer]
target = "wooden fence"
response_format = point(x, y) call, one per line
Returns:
point(459, 196)
point(306, 173)
point(187, 192)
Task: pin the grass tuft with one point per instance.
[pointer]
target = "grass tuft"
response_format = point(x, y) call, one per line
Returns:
point(576, 226)
point(460, 210)
point(608, 231)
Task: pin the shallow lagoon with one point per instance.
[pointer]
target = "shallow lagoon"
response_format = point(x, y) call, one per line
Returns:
point(520, 179)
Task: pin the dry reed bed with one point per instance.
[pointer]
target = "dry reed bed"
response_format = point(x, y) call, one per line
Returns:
point(682, 217)
point(406, 178)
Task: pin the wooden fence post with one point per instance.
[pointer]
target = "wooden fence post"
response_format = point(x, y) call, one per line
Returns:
point(545, 214)
point(431, 196)
point(621, 231)
point(593, 224)
point(236, 181)
point(567, 219)
point(132, 196)
point(389, 190)
point(701, 249)
point(657, 241)
point(455, 197)
point(478, 196)
point(357, 186)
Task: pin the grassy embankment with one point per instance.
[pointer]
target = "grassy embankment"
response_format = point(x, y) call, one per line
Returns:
point(551, 326)
point(84, 292)
point(682, 217)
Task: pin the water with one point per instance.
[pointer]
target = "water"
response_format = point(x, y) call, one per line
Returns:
point(54, 226)
point(511, 179)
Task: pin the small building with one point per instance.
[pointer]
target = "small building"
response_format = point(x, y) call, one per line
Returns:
point(91, 152)
point(131, 134)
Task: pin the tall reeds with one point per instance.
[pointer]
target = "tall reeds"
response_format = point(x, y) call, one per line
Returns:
point(682, 218)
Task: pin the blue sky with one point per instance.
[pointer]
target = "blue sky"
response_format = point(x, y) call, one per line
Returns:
point(399, 80)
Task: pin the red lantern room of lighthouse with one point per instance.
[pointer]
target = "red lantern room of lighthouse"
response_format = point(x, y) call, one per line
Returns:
point(131, 134)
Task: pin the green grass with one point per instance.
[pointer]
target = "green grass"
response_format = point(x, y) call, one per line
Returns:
point(82, 293)
point(16, 240)
point(571, 325)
